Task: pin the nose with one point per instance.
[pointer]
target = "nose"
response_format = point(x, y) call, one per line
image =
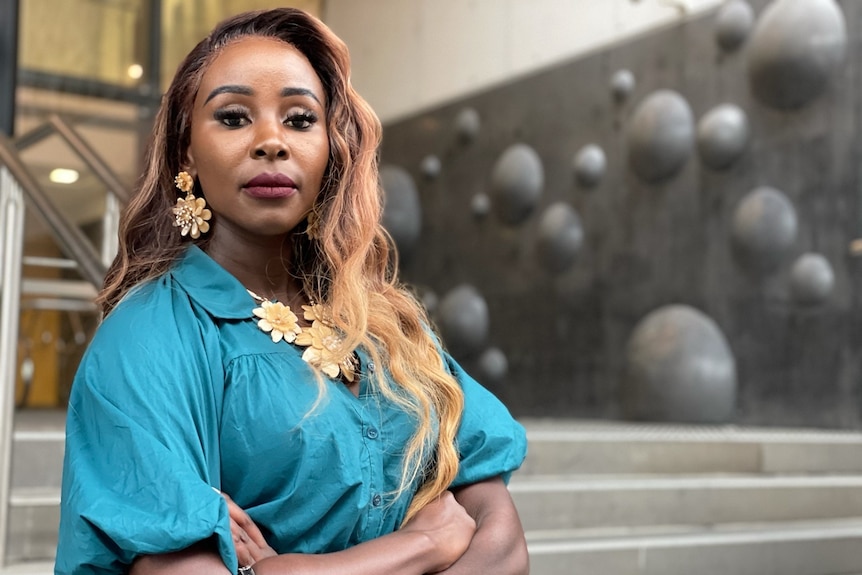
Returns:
point(270, 141)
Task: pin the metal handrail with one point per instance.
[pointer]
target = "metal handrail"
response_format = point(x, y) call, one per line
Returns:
point(90, 157)
point(79, 145)
point(72, 240)
point(11, 250)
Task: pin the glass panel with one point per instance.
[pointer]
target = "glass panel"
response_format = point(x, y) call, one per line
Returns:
point(186, 22)
point(104, 40)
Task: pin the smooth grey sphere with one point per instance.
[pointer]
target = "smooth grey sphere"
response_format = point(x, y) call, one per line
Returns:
point(733, 24)
point(431, 166)
point(722, 135)
point(430, 301)
point(480, 205)
point(660, 136)
point(590, 165)
point(467, 125)
point(679, 367)
point(493, 365)
point(516, 183)
point(812, 279)
point(622, 85)
point(797, 45)
point(561, 236)
point(763, 230)
point(463, 320)
point(402, 212)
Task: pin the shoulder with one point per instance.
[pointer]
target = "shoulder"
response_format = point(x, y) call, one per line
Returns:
point(155, 332)
point(154, 312)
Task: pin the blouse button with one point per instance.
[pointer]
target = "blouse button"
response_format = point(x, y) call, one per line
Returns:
point(371, 366)
point(376, 500)
point(371, 433)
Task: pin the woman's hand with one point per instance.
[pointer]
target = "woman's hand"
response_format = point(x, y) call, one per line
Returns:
point(248, 541)
point(446, 523)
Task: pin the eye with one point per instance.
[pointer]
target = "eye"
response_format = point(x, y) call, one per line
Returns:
point(232, 117)
point(301, 120)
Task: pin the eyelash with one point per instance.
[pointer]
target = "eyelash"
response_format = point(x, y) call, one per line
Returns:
point(233, 118)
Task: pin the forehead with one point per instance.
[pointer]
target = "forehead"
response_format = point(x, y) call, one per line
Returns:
point(267, 65)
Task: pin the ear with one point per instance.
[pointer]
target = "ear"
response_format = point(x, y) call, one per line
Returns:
point(189, 164)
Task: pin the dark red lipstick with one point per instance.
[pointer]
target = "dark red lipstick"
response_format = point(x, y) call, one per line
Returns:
point(270, 186)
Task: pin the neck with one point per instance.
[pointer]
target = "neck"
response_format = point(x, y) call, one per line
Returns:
point(264, 268)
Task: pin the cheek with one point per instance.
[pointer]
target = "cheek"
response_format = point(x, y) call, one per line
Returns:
point(317, 158)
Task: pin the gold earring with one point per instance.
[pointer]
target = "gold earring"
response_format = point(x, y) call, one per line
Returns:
point(312, 224)
point(190, 213)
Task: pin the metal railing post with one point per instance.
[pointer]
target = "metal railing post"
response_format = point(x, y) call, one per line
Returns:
point(11, 252)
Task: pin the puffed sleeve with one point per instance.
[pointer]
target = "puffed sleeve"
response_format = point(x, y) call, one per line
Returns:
point(142, 452)
point(490, 442)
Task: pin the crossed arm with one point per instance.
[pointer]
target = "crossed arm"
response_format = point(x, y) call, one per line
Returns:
point(474, 530)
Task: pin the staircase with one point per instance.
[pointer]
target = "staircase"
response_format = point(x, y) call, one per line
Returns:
point(602, 498)
point(624, 499)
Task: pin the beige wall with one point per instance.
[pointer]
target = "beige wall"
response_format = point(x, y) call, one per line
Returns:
point(412, 54)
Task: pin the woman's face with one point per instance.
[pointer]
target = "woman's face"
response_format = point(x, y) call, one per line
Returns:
point(259, 142)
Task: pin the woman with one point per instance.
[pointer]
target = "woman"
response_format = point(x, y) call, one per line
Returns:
point(256, 344)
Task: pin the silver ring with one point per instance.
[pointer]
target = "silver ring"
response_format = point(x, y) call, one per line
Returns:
point(247, 570)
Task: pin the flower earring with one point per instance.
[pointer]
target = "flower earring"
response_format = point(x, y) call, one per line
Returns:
point(190, 213)
point(312, 224)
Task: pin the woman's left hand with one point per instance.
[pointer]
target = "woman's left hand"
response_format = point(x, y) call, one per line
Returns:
point(250, 545)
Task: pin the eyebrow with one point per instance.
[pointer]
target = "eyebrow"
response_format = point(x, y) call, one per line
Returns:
point(247, 91)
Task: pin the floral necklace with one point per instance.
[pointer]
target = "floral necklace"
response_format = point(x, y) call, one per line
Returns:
point(320, 340)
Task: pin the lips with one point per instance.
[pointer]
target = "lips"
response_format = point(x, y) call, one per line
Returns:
point(270, 186)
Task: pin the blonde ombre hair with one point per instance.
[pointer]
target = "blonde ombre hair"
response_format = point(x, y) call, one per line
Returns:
point(349, 265)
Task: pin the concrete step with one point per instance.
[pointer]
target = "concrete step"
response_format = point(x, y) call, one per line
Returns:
point(34, 517)
point(37, 458)
point(583, 447)
point(28, 568)
point(549, 503)
point(828, 547)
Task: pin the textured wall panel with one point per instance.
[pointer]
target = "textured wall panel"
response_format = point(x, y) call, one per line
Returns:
point(649, 245)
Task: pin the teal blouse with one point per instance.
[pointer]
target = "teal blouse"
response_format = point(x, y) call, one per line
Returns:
point(180, 392)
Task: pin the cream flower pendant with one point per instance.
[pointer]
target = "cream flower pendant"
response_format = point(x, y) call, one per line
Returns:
point(322, 346)
point(321, 340)
point(278, 321)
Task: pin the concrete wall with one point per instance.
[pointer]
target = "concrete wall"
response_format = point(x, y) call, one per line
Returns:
point(650, 245)
point(409, 55)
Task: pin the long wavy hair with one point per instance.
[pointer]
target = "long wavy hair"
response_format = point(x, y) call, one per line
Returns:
point(349, 264)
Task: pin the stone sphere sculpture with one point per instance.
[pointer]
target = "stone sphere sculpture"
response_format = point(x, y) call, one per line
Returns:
point(722, 135)
point(660, 136)
point(795, 48)
point(516, 183)
point(467, 125)
point(463, 320)
point(493, 365)
point(679, 367)
point(733, 24)
point(811, 279)
point(560, 237)
point(763, 230)
point(402, 212)
point(480, 205)
point(590, 165)
point(622, 85)
point(431, 166)
point(430, 301)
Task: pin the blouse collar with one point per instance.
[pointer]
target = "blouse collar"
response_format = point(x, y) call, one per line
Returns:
point(211, 286)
